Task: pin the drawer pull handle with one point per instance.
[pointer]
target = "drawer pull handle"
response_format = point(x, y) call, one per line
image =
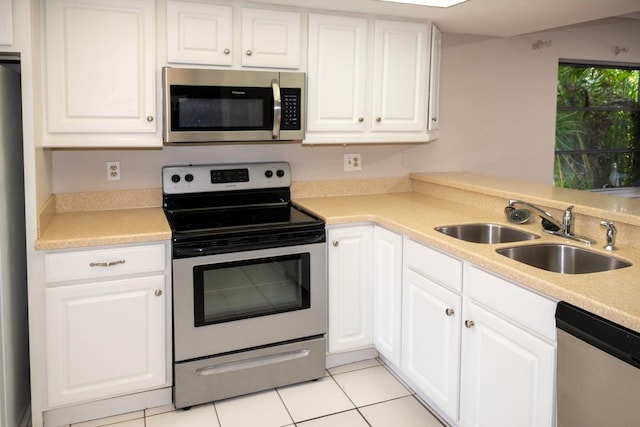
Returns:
point(469, 323)
point(449, 312)
point(106, 264)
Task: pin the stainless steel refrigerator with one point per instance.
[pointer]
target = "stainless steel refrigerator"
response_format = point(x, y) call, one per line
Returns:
point(14, 356)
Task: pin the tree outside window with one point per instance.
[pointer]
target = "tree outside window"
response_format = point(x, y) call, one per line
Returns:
point(597, 127)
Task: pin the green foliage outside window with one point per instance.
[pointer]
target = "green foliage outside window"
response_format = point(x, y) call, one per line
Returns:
point(597, 127)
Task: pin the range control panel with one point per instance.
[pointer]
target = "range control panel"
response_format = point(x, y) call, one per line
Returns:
point(225, 177)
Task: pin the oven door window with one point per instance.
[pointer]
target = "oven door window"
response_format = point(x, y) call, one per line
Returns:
point(218, 108)
point(251, 288)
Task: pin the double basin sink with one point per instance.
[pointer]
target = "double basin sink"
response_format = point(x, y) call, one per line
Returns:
point(556, 257)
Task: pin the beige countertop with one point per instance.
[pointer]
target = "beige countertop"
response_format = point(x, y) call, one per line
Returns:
point(112, 227)
point(78, 220)
point(614, 294)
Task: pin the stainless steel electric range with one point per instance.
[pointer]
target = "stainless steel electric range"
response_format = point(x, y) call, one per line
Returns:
point(249, 281)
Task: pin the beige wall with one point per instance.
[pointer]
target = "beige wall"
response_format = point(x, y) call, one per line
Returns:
point(497, 118)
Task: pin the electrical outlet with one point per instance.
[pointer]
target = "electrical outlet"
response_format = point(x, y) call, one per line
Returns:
point(113, 171)
point(352, 162)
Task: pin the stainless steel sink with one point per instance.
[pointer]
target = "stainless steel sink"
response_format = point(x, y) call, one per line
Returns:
point(486, 233)
point(562, 258)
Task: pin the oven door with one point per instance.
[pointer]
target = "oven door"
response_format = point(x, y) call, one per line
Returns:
point(241, 300)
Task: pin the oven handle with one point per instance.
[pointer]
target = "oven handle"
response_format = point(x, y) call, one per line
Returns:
point(254, 362)
point(277, 108)
point(181, 252)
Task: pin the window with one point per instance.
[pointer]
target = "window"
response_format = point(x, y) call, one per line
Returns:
point(597, 126)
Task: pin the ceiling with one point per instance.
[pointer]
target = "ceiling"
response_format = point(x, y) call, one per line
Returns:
point(500, 18)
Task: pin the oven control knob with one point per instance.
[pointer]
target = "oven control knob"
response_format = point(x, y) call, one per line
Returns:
point(280, 173)
point(268, 174)
point(175, 178)
point(188, 177)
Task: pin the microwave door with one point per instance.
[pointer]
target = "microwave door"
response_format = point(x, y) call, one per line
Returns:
point(277, 108)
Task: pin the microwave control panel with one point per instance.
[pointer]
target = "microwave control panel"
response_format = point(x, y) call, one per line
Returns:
point(290, 109)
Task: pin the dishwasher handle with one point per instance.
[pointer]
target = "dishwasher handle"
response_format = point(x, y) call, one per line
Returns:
point(618, 341)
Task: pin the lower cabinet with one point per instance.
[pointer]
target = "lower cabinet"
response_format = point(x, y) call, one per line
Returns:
point(350, 291)
point(431, 313)
point(508, 354)
point(387, 293)
point(478, 348)
point(105, 336)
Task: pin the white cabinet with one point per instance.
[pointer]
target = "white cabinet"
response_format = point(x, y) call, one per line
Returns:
point(387, 293)
point(199, 33)
point(434, 78)
point(100, 73)
point(337, 73)
point(431, 316)
point(508, 354)
point(270, 38)
point(6, 22)
point(350, 290)
point(366, 88)
point(106, 332)
point(400, 70)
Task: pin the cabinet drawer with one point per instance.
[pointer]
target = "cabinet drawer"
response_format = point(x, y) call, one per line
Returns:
point(98, 263)
point(517, 304)
point(428, 262)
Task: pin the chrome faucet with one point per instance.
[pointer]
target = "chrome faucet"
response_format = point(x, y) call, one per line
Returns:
point(563, 229)
point(611, 235)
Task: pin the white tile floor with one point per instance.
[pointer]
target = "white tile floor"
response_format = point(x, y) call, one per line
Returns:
point(363, 394)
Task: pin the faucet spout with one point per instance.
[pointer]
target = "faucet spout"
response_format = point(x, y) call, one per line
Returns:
point(541, 212)
point(562, 229)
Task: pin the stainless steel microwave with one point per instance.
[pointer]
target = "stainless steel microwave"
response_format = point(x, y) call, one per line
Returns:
point(214, 106)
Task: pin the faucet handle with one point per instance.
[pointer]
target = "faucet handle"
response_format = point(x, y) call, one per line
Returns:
point(611, 234)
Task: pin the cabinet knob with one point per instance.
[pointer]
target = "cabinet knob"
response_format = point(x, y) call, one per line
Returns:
point(158, 292)
point(469, 323)
point(335, 243)
point(361, 119)
point(227, 51)
point(449, 312)
point(249, 52)
point(434, 119)
point(149, 118)
point(378, 119)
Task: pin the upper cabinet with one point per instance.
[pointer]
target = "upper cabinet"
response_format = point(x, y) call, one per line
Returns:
point(270, 38)
point(199, 33)
point(367, 86)
point(203, 34)
point(434, 82)
point(100, 73)
point(6, 23)
point(337, 74)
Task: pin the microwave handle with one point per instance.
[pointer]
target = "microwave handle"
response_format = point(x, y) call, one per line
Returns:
point(277, 108)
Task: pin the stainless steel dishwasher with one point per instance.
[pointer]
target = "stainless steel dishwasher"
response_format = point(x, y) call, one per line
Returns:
point(598, 371)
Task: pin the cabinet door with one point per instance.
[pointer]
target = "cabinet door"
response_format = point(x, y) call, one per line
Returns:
point(199, 33)
point(105, 338)
point(337, 73)
point(270, 38)
point(507, 373)
point(387, 293)
point(6, 23)
point(434, 78)
point(400, 76)
point(431, 340)
point(100, 66)
point(350, 301)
